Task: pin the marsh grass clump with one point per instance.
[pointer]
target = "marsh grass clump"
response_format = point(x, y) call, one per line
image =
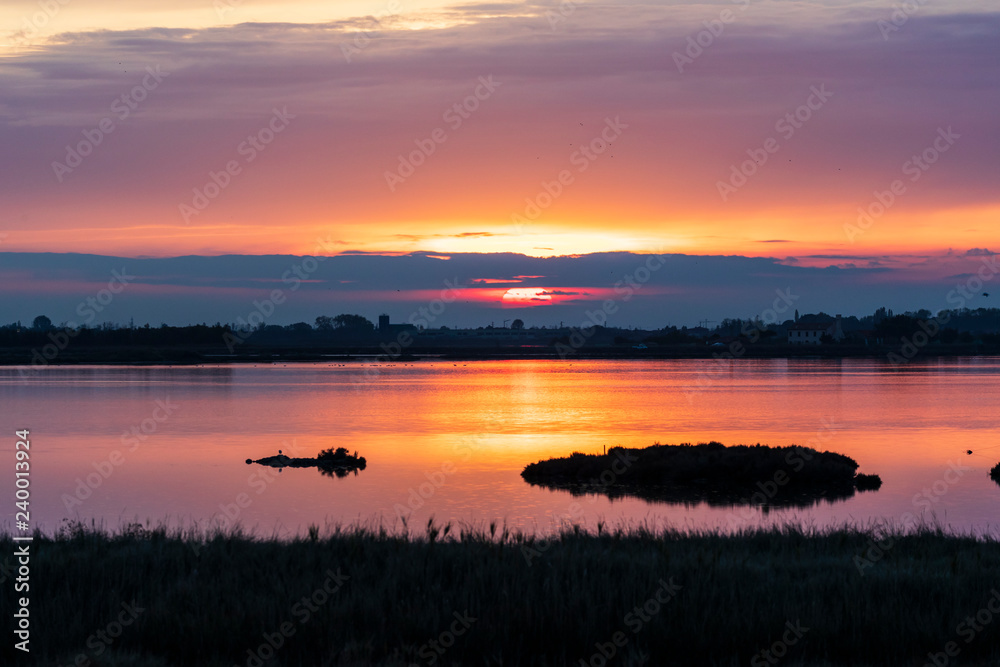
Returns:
point(211, 598)
point(709, 472)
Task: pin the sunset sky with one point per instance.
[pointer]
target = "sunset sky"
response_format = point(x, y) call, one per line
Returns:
point(543, 129)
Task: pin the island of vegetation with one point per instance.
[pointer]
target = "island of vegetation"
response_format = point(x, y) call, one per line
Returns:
point(329, 461)
point(708, 472)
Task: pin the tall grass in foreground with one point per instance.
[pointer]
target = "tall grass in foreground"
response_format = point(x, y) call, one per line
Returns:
point(213, 599)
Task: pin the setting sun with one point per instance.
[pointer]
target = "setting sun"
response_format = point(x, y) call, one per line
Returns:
point(526, 296)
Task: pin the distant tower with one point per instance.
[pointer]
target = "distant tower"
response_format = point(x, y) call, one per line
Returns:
point(796, 314)
point(383, 322)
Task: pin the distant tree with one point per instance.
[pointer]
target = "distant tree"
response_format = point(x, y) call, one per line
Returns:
point(324, 323)
point(41, 323)
point(352, 323)
point(517, 324)
point(897, 325)
point(300, 328)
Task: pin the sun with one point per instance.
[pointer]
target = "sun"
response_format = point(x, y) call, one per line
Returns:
point(526, 296)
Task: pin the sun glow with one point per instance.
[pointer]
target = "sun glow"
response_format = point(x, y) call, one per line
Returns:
point(526, 296)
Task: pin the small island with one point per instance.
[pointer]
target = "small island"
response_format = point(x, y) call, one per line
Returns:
point(329, 461)
point(708, 472)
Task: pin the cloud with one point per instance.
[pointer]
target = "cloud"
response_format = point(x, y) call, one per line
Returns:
point(182, 290)
point(354, 119)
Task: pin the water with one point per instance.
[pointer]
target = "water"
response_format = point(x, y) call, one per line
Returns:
point(169, 444)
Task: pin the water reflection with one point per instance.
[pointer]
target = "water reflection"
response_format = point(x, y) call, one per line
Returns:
point(713, 497)
point(458, 437)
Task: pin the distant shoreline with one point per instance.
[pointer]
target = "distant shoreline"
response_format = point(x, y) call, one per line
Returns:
point(183, 356)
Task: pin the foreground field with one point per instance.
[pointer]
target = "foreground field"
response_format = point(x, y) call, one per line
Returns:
point(489, 597)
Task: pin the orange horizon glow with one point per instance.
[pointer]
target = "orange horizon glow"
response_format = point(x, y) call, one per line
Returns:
point(546, 164)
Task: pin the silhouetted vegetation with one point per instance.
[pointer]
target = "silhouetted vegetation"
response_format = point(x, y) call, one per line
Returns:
point(215, 599)
point(995, 473)
point(709, 472)
point(329, 461)
point(865, 482)
point(949, 332)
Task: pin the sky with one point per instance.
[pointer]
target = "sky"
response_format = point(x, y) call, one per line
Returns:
point(791, 135)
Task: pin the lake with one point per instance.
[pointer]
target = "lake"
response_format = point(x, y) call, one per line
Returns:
point(448, 440)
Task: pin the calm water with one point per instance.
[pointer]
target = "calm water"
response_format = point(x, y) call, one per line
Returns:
point(168, 444)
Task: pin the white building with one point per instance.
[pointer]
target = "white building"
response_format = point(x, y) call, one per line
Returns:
point(811, 333)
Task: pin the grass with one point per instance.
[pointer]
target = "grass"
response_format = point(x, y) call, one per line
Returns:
point(209, 599)
point(708, 472)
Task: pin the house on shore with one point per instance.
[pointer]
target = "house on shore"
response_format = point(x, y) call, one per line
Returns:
point(812, 333)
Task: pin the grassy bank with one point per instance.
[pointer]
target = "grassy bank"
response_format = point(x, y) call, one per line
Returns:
point(471, 598)
point(709, 472)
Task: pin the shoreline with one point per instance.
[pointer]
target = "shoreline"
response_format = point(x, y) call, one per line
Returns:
point(186, 356)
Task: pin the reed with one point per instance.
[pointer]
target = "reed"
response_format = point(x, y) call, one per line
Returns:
point(868, 595)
